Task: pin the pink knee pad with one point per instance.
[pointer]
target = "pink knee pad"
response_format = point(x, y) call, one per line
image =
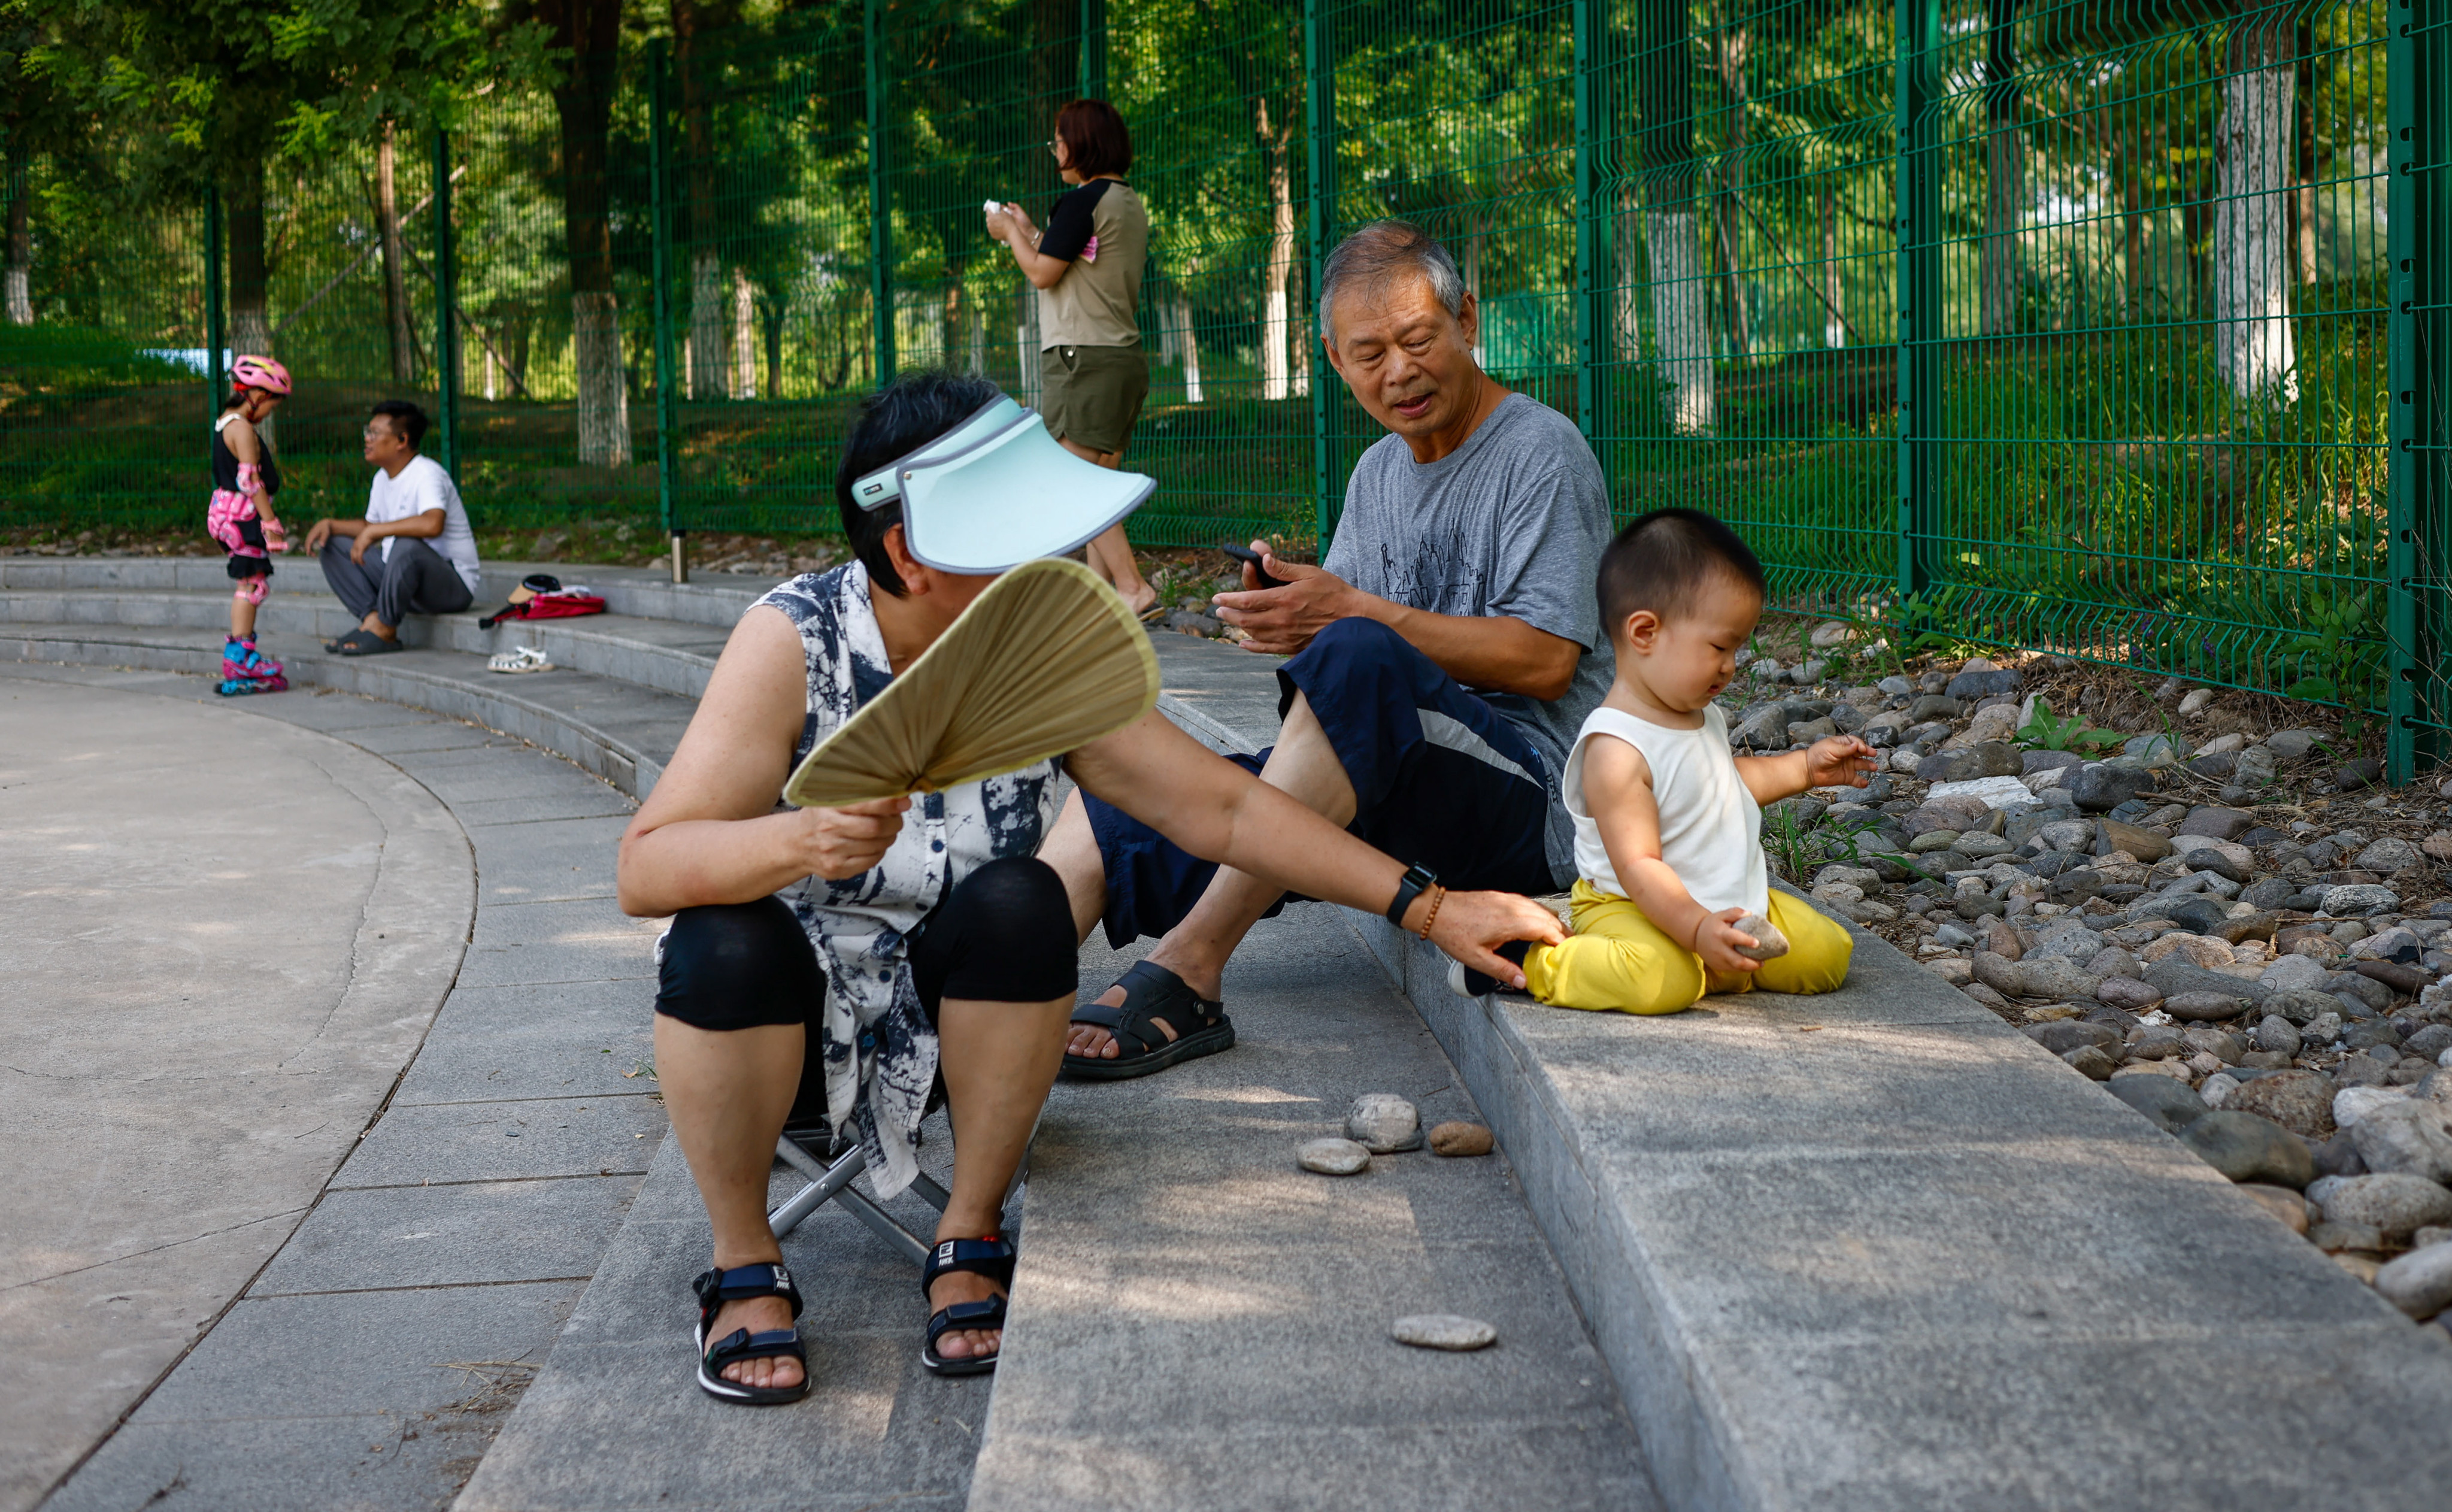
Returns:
point(252, 589)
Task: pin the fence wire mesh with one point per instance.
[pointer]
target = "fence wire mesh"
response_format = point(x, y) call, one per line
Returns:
point(2117, 330)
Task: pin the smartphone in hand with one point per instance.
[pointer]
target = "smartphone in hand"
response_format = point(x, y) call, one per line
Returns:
point(1244, 553)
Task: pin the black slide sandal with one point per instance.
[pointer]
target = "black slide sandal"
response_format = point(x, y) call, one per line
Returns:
point(1153, 995)
point(714, 1290)
point(985, 1256)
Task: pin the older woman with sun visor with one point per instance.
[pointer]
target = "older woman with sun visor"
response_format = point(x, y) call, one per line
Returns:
point(834, 965)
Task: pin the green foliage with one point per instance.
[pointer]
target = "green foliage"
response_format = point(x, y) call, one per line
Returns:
point(2049, 731)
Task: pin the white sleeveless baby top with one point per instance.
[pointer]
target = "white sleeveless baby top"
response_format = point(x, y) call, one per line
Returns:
point(1711, 827)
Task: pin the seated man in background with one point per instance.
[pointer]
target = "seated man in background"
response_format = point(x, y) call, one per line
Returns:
point(429, 561)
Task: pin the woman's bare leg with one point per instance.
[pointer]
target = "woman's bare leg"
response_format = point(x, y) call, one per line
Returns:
point(1110, 554)
point(727, 1093)
point(998, 1059)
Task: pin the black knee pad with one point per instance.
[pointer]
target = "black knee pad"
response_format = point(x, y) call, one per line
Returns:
point(739, 965)
point(1006, 935)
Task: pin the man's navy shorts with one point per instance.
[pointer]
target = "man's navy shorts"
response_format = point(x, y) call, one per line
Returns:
point(1440, 778)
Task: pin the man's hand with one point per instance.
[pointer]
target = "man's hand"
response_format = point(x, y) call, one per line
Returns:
point(1470, 924)
point(1281, 621)
point(838, 843)
point(1717, 939)
point(359, 543)
point(317, 534)
point(1839, 760)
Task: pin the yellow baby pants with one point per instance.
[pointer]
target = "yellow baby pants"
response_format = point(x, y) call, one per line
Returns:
point(1618, 958)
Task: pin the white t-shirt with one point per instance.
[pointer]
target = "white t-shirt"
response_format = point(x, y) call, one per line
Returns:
point(1711, 827)
point(422, 485)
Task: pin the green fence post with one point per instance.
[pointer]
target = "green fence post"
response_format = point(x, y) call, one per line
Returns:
point(1589, 328)
point(1093, 51)
point(447, 298)
point(213, 336)
point(2418, 54)
point(660, 234)
point(880, 208)
point(1916, 191)
point(1319, 147)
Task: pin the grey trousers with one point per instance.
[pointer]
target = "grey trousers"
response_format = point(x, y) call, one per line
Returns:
point(415, 579)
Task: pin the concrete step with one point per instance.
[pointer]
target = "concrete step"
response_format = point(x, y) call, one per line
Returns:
point(1199, 1322)
point(648, 592)
point(618, 729)
point(169, 614)
point(670, 656)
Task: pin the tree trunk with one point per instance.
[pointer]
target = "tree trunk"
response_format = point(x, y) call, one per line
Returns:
point(2302, 220)
point(2251, 246)
point(2006, 168)
point(949, 327)
point(603, 393)
point(251, 328)
point(2132, 221)
point(1299, 337)
point(1055, 77)
point(704, 364)
point(590, 30)
point(1471, 272)
point(1729, 52)
point(1834, 329)
point(403, 366)
point(1190, 347)
point(20, 260)
point(250, 275)
point(771, 314)
point(1672, 221)
point(1276, 370)
point(1026, 345)
point(744, 336)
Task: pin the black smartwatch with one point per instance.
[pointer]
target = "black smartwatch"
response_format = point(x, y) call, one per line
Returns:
point(1416, 880)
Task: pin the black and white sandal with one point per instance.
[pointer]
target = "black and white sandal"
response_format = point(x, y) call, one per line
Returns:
point(985, 1256)
point(717, 1287)
point(1152, 997)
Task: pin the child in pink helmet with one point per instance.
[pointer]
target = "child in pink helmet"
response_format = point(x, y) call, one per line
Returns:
point(241, 517)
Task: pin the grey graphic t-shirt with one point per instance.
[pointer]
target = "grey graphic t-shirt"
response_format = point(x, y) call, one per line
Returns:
point(1511, 523)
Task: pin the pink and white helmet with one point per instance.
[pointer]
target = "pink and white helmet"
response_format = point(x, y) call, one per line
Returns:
point(260, 372)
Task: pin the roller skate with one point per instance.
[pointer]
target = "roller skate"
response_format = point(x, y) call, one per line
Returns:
point(246, 670)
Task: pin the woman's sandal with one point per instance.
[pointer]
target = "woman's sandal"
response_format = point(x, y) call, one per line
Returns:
point(717, 1287)
point(985, 1256)
point(1153, 995)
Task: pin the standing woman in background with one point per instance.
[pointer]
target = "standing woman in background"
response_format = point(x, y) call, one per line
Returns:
point(241, 517)
point(1087, 268)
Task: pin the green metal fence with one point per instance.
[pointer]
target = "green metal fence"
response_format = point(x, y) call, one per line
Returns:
point(2111, 326)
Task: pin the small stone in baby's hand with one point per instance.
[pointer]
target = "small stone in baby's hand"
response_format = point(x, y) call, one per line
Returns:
point(1770, 941)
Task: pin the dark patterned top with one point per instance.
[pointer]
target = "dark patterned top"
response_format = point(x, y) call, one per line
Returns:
point(881, 1055)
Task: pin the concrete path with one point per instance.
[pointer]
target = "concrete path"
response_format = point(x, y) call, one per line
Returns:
point(225, 935)
point(369, 1362)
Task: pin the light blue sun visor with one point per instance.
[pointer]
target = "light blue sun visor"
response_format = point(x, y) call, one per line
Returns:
point(997, 491)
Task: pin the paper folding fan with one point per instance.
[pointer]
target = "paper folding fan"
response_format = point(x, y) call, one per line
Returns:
point(1047, 660)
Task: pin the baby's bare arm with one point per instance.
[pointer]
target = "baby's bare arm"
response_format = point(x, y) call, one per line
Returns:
point(1618, 795)
point(1836, 761)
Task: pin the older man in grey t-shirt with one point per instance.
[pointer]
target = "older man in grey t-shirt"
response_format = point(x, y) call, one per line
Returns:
point(1442, 658)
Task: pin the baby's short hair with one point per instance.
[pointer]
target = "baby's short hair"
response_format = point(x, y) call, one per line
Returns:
point(1662, 561)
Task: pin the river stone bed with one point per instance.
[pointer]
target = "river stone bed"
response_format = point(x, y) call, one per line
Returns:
point(2235, 937)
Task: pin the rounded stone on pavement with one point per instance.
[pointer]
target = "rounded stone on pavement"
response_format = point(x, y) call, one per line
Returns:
point(1333, 1157)
point(1442, 1330)
point(1384, 1122)
point(1456, 1137)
